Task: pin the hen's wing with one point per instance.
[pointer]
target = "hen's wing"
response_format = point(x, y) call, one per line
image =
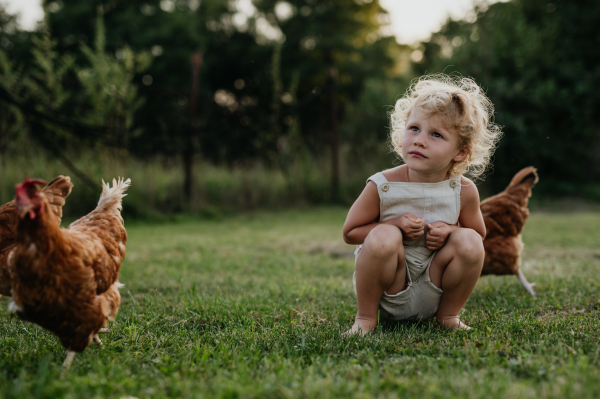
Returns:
point(57, 192)
point(105, 225)
point(505, 213)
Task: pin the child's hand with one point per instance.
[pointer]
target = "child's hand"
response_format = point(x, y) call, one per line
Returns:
point(412, 226)
point(437, 235)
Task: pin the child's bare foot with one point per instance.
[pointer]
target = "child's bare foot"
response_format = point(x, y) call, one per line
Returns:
point(362, 327)
point(453, 323)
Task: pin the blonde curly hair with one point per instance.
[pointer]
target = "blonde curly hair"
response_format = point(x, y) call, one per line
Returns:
point(463, 106)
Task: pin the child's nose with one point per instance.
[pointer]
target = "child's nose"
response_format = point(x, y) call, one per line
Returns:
point(419, 140)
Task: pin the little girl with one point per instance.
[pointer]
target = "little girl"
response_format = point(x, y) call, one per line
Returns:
point(419, 228)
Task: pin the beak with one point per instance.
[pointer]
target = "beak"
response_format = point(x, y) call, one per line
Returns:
point(23, 210)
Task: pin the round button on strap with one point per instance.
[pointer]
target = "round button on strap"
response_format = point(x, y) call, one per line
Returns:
point(385, 187)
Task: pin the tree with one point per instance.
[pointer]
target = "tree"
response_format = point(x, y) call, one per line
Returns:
point(38, 92)
point(237, 84)
point(320, 35)
point(109, 95)
point(538, 61)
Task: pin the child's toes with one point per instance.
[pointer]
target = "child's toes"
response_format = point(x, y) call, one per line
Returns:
point(453, 323)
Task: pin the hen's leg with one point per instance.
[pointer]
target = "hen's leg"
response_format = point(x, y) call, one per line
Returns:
point(101, 331)
point(69, 359)
point(380, 267)
point(455, 268)
point(526, 284)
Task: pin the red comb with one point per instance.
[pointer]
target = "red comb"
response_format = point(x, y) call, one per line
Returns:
point(29, 182)
point(35, 181)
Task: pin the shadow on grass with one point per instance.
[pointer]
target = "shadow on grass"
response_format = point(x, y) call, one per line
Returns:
point(399, 326)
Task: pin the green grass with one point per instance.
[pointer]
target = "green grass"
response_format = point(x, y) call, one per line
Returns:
point(252, 306)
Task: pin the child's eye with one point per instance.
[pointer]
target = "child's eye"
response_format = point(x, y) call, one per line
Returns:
point(436, 134)
point(414, 128)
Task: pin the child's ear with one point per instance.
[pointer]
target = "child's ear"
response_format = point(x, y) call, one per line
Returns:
point(462, 154)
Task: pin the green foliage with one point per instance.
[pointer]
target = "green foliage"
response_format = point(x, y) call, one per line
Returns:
point(172, 31)
point(264, 95)
point(11, 120)
point(42, 84)
point(263, 99)
point(538, 62)
point(341, 34)
point(245, 109)
point(156, 190)
point(108, 86)
point(253, 306)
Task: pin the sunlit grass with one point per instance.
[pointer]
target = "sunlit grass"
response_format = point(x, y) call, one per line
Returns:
point(253, 305)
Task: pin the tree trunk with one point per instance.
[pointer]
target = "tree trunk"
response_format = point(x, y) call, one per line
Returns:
point(334, 139)
point(188, 152)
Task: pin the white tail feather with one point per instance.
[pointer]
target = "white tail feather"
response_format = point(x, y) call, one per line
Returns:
point(119, 285)
point(110, 199)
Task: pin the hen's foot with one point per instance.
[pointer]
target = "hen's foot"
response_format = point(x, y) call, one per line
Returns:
point(69, 359)
point(453, 323)
point(104, 331)
point(97, 339)
point(528, 286)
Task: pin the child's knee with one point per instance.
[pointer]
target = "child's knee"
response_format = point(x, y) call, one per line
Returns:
point(468, 244)
point(384, 240)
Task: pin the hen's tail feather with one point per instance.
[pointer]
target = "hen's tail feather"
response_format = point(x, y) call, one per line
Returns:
point(527, 176)
point(56, 192)
point(110, 199)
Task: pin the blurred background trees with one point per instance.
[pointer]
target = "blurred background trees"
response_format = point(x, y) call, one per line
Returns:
point(540, 63)
point(111, 82)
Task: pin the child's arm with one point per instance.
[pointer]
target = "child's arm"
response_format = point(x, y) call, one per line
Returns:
point(470, 212)
point(365, 210)
point(470, 217)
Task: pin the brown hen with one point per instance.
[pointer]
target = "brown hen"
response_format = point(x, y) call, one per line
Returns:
point(504, 215)
point(65, 280)
point(56, 192)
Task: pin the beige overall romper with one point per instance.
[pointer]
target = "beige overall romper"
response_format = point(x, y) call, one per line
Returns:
point(436, 202)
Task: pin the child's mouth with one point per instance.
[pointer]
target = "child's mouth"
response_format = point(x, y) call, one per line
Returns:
point(417, 154)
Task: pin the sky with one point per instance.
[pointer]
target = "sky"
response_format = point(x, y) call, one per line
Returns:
point(412, 20)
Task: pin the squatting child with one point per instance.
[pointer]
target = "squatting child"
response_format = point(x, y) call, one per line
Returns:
point(418, 226)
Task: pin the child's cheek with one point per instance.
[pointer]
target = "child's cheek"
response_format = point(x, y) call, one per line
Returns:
point(405, 140)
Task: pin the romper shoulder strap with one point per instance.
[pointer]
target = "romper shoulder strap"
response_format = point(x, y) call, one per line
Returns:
point(378, 178)
point(455, 182)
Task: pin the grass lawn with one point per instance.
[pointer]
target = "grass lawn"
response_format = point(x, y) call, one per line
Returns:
point(252, 306)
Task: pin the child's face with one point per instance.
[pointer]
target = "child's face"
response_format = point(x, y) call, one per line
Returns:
point(428, 146)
